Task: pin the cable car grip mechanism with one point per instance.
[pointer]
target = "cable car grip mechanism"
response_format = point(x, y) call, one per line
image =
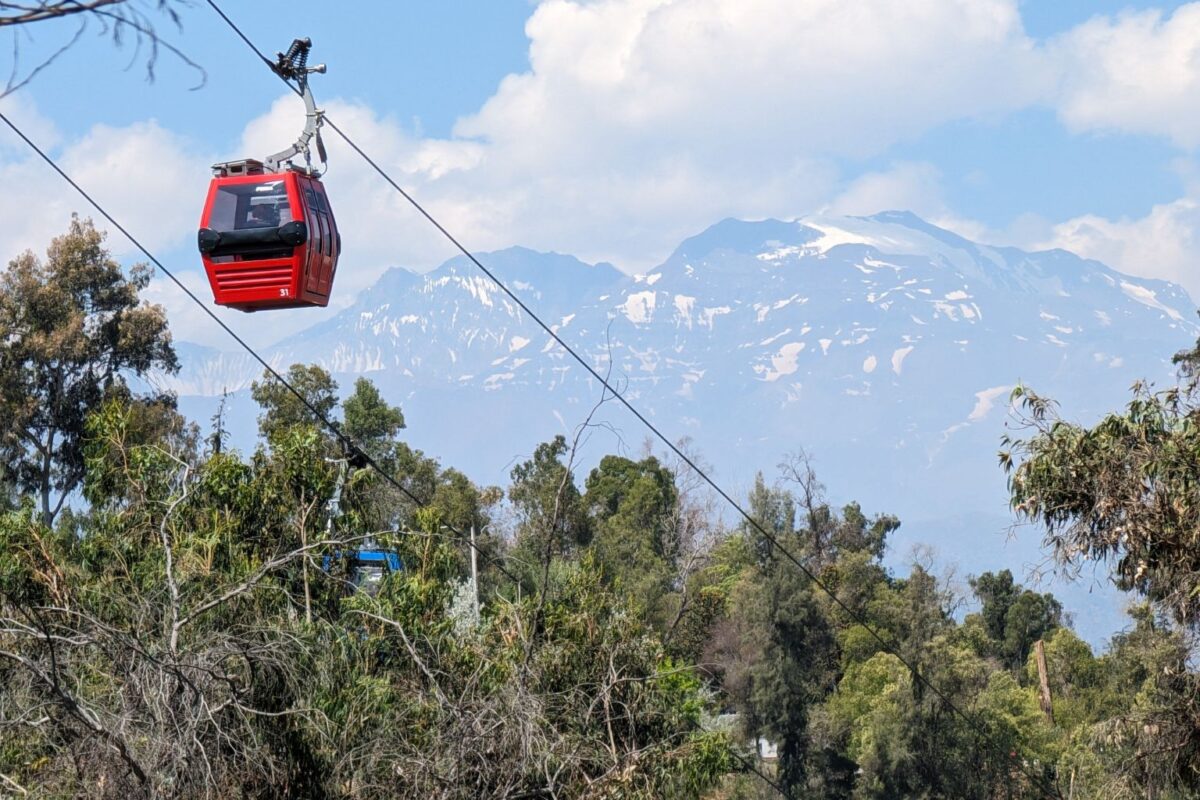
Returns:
point(293, 66)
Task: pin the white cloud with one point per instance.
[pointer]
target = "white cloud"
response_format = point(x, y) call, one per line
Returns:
point(1134, 73)
point(985, 400)
point(379, 228)
point(189, 322)
point(1162, 244)
point(907, 186)
point(912, 186)
point(135, 172)
point(25, 115)
point(642, 120)
point(149, 179)
point(143, 175)
point(821, 76)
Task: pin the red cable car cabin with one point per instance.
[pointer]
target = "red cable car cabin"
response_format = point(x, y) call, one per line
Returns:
point(268, 239)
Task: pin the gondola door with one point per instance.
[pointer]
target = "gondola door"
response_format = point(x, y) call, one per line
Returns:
point(316, 236)
point(333, 242)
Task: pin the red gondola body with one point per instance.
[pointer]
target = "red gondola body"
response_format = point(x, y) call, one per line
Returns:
point(268, 239)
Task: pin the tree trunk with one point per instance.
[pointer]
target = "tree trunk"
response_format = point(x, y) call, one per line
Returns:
point(304, 564)
point(1044, 698)
point(47, 465)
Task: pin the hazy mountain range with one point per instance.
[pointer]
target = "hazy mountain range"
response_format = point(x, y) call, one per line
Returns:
point(884, 346)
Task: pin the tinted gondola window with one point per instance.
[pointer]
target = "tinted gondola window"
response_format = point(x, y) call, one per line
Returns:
point(368, 578)
point(326, 222)
point(250, 205)
point(321, 241)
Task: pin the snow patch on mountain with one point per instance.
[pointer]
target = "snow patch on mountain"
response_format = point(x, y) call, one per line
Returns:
point(683, 306)
point(1148, 298)
point(639, 307)
point(830, 238)
point(755, 339)
point(782, 363)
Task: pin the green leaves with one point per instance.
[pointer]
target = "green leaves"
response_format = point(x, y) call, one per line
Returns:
point(1014, 617)
point(73, 328)
point(1124, 489)
point(283, 410)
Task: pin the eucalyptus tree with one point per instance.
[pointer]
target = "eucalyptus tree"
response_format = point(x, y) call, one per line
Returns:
point(74, 329)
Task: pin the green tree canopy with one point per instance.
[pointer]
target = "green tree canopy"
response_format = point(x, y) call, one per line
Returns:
point(1123, 489)
point(631, 509)
point(370, 421)
point(74, 328)
point(1014, 616)
point(172, 655)
point(282, 410)
point(543, 490)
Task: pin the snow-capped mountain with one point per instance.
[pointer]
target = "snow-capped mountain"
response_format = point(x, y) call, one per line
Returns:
point(884, 346)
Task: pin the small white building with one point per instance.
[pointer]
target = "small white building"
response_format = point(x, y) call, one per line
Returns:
point(767, 750)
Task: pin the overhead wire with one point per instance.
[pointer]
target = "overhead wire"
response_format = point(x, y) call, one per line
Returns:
point(332, 426)
point(329, 424)
point(889, 646)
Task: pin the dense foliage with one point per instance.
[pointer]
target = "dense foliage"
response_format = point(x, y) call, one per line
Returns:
point(73, 330)
point(1123, 491)
point(185, 628)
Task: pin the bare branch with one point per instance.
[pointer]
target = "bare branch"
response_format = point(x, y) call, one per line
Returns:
point(116, 17)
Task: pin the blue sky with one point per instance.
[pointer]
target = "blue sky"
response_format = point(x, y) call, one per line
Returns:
point(434, 63)
point(611, 129)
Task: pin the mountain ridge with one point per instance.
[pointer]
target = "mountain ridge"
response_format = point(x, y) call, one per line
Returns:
point(884, 346)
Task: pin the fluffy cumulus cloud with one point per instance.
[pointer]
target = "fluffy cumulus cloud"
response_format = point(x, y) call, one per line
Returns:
point(648, 118)
point(909, 185)
point(640, 121)
point(914, 186)
point(1134, 73)
point(25, 115)
point(706, 76)
point(112, 165)
point(1164, 243)
point(379, 227)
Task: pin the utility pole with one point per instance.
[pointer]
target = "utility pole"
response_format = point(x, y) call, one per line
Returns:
point(1039, 649)
point(474, 576)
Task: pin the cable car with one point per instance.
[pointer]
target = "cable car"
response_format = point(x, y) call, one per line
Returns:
point(366, 568)
point(268, 237)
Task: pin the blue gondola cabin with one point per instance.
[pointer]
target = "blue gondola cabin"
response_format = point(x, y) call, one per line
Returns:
point(366, 569)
